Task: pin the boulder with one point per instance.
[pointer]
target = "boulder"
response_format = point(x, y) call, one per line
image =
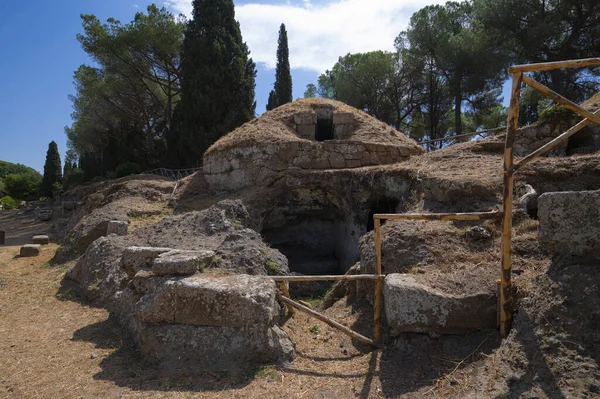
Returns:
point(182, 263)
point(117, 227)
point(135, 259)
point(414, 307)
point(217, 347)
point(41, 239)
point(237, 301)
point(570, 223)
point(45, 215)
point(29, 250)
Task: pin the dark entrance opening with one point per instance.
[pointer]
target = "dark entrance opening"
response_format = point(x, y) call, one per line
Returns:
point(324, 128)
point(582, 142)
point(384, 205)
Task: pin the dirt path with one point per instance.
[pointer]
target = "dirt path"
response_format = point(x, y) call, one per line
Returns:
point(53, 346)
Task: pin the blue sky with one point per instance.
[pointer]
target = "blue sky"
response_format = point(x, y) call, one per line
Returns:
point(39, 52)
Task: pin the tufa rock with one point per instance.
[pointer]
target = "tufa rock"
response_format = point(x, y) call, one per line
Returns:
point(117, 227)
point(181, 263)
point(41, 239)
point(29, 250)
point(414, 307)
point(570, 223)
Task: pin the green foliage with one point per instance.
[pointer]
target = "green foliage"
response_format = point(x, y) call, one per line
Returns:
point(9, 202)
point(124, 105)
point(272, 102)
point(73, 179)
point(456, 46)
point(272, 265)
point(22, 186)
point(127, 168)
point(315, 329)
point(553, 30)
point(283, 76)
point(558, 115)
point(311, 91)
point(52, 171)
point(7, 168)
point(218, 78)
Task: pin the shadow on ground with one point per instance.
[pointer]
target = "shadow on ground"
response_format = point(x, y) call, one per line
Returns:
point(20, 226)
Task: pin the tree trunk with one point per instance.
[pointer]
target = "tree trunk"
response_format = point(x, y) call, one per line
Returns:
point(458, 112)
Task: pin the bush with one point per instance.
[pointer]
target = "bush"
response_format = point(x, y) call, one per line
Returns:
point(73, 179)
point(21, 186)
point(9, 202)
point(127, 168)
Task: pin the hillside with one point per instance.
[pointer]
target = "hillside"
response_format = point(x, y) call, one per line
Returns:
point(7, 168)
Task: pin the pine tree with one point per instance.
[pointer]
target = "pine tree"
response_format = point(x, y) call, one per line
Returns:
point(218, 79)
point(282, 93)
point(52, 170)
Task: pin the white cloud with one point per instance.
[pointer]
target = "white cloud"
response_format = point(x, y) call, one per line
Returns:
point(319, 34)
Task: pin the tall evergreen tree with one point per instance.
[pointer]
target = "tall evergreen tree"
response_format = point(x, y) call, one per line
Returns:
point(218, 78)
point(272, 103)
point(283, 76)
point(52, 170)
point(282, 90)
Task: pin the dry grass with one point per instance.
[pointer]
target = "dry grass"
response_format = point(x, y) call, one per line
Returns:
point(277, 126)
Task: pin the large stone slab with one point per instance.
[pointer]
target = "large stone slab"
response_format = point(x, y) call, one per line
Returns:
point(181, 263)
point(414, 307)
point(135, 259)
point(117, 227)
point(570, 223)
point(237, 301)
point(41, 239)
point(29, 250)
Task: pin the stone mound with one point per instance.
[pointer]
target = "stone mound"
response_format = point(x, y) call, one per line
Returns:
point(183, 287)
point(312, 134)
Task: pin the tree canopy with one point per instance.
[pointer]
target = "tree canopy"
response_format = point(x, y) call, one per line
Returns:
point(218, 77)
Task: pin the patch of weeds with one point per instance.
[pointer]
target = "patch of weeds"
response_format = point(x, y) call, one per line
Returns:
point(202, 266)
point(272, 265)
point(95, 286)
point(66, 295)
point(47, 264)
point(315, 329)
point(238, 225)
point(71, 239)
point(266, 372)
point(215, 261)
point(169, 383)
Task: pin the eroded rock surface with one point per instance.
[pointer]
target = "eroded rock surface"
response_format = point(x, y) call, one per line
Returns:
point(570, 223)
point(414, 307)
point(172, 303)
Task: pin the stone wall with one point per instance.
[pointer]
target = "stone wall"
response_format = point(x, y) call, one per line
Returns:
point(530, 138)
point(237, 168)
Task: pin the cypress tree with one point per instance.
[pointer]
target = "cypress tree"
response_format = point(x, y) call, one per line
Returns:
point(67, 168)
point(272, 103)
point(218, 79)
point(52, 170)
point(282, 91)
point(283, 76)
